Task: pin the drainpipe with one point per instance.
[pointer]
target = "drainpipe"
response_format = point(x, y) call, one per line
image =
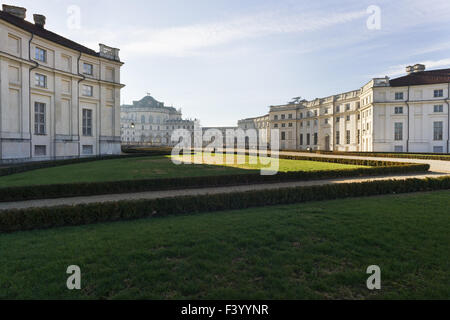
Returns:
point(448, 120)
point(29, 94)
point(407, 104)
point(78, 104)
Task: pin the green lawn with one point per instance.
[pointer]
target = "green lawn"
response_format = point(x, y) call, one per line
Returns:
point(147, 168)
point(307, 251)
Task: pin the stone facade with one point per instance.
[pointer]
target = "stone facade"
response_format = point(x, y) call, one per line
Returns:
point(407, 114)
point(149, 122)
point(58, 99)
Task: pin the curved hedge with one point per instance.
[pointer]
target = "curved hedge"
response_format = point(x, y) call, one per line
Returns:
point(42, 218)
point(22, 193)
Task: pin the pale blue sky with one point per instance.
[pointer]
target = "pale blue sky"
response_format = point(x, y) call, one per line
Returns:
point(223, 60)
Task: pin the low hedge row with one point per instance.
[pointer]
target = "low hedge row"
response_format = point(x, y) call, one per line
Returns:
point(115, 187)
point(422, 156)
point(29, 166)
point(42, 218)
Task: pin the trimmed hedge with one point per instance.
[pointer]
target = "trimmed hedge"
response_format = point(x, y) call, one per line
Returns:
point(7, 170)
point(22, 193)
point(421, 156)
point(44, 218)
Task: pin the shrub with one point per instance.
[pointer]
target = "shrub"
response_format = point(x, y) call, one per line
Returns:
point(42, 218)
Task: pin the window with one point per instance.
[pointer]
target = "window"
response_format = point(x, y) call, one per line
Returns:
point(301, 115)
point(315, 113)
point(358, 138)
point(39, 118)
point(315, 123)
point(88, 69)
point(308, 123)
point(326, 121)
point(338, 109)
point(347, 107)
point(398, 131)
point(308, 139)
point(399, 96)
point(348, 137)
point(301, 139)
point(359, 116)
point(88, 91)
point(283, 125)
point(40, 80)
point(283, 117)
point(398, 110)
point(439, 108)
point(301, 124)
point(283, 136)
point(275, 125)
point(438, 149)
point(338, 137)
point(88, 149)
point(87, 122)
point(338, 119)
point(40, 55)
point(290, 125)
point(438, 93)
point(398, 149)
point(316, 139)
point(326, 111)
point(438, 130)
point(142, 119)
point(348, 118)
point(290, 116)
point(40, 150)
point(275, 118)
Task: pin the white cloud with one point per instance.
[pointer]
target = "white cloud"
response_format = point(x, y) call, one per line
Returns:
point(185, 40)
point(399, 70)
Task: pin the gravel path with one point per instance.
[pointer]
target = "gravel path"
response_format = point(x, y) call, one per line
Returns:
point(206, 191)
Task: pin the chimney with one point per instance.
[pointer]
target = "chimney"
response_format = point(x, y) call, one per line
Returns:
point(39, 20)
point(18, 12)
point(409, 69)
point(419, 68)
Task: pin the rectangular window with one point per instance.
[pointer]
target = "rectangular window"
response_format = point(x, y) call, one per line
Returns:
point(40, 151)
point(358, 138)
point(338, 120)
point(283, 125)
point(301, 139)
point(438, 149)
point(438, 130)
point(326, 121)
point(439, 108)
point(283, 136)
point(398, 149)
point(338, 137)
point(40, 80)
point(398, 110)
point(275, 125)
point(399, 96)
point(290, 125)
point(88, 69)
point(347, 107)
point(348, 118)
point(308, 139)
point(338, 109)
point(87, 122)
point(88, 149)
point(290, 116)
point(348, 137)
point(39, 118)
point(438, 93)
point(283, 117)
point(301, 115)
point(316, 139)
point(398, 131)
point(275, 118)
point(88, 91)
point(40, 55)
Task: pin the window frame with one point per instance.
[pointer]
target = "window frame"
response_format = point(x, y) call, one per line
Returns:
point(91, 73)
point(37, 80)
point(37, 54)
point(40, 123)
point(87, 123)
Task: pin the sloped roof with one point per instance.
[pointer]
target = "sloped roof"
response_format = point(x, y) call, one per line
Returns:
point(421, 78)
point(46, 34)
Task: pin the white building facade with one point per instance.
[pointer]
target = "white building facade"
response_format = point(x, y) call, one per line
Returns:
point(406, 114)
point(149, 122)
point(58, 99)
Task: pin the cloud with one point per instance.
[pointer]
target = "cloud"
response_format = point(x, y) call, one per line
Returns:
point(187, 40)
point(399, 70)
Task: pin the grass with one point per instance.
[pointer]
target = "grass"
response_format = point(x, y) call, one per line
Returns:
point(307, 251)
point(147, 168)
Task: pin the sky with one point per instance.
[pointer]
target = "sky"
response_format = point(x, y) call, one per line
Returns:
point(225, 60)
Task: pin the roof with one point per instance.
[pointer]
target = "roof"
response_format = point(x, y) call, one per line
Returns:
point(150, 102)
point(46, 34)
point(421, 78)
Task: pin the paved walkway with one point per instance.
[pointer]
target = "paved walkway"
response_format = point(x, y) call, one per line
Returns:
point(204, 191)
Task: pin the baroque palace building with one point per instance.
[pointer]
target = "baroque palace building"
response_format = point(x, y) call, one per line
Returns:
point(406, 114)
point(149, 122)
point(58, 99)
